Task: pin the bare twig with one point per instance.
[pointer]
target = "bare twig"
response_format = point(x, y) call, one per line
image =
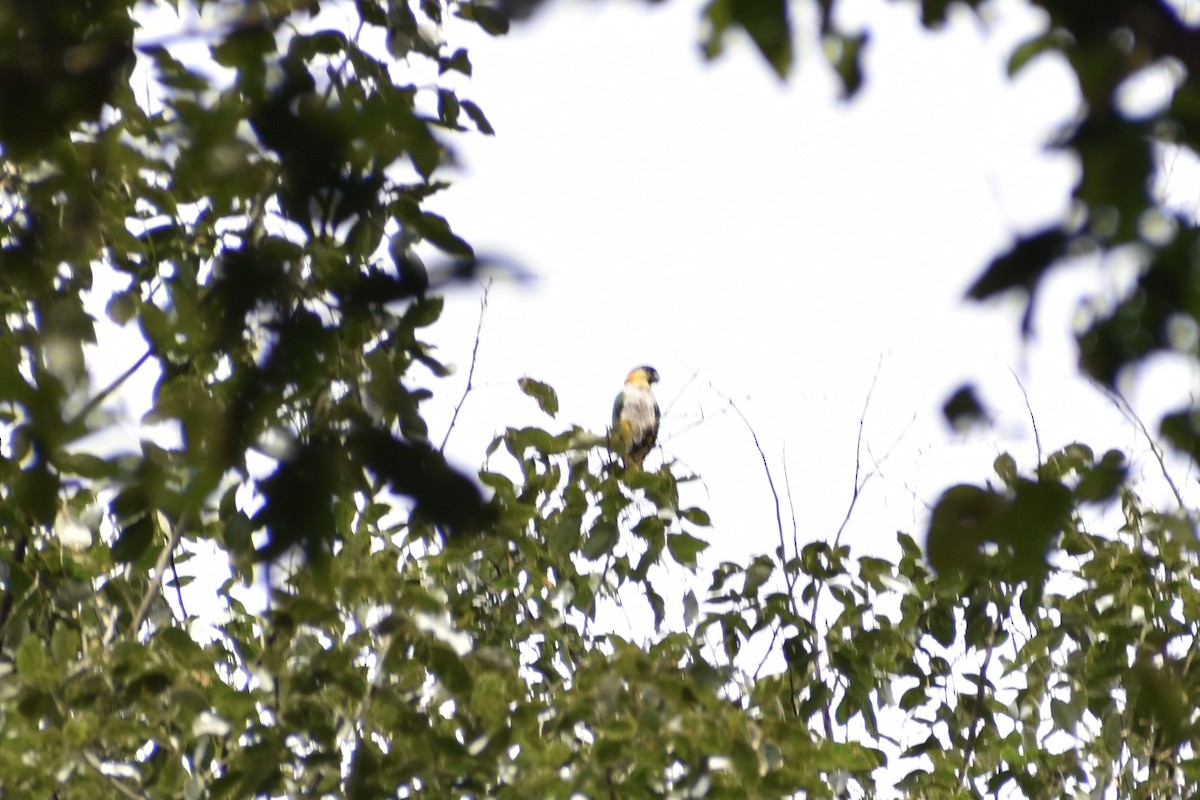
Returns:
point(795, 609)
point(1037, 440)
point(1118, 400)
point(787, 485)
point(471, 372)
point(104, 393)
point(788, 576)
point(679, 394)
point(121, 788)
point(160, 569)
point(859, 482)
point(766, 468)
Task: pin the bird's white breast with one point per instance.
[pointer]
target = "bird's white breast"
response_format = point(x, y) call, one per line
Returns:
point(638, 410)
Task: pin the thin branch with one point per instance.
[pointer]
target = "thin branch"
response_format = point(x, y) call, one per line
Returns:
point(795, 609)
point(666, 412)
point(471, 372)
point(122, 789)
point(95, 402)
point(6, 608)
point(787, 485)
point(977, 711)
point(160, 569)
point(859, 484)
point(178, 587)
point(788, 576)
point(1037, 440)
point(766, 469)
point(1118, 400)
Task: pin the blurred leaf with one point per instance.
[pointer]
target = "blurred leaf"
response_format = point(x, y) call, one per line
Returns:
point(1022, 267)
point(684, 548)
point(32, 664)
point(844, 53)
point(1025, 53)
point(600, 541)
point(691, 609)
point(476, 114)
point(544, 394)
point(766, 22)
point(963, 410)
point(489, 19)
point(963, 519)
point(441, 494)
point(458, 62)
point(133, 540)
point(1161, 697)
point(1102, 482)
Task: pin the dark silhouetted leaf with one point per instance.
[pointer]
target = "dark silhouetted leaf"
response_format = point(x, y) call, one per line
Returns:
point(963, 519)
point(476, 114)
point(133, 540)
point(1022, 267)
point(486, 17)
point(441, 494)
point(963, 410)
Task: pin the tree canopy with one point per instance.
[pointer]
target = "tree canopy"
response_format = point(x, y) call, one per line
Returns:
point(259, 217)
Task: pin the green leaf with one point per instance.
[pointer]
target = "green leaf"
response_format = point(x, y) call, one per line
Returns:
point(544, 394)
point(1025, 53)
point(1005, 467)
point(1102, 482)
point(424, 313)
point(491, 20)
point(458, 62)
point(844, 53)
point(436, 231)
point(121, 307)
point(33, 666)
point(684, 548)
point(600, 541)
point(766, 21)
point(696, 516)
point(757, 574)
point(962, 520)
point(133, 540)
point(691, 609)
point(565, 535)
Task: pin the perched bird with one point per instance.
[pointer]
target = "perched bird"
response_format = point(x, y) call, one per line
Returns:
point(636, 415)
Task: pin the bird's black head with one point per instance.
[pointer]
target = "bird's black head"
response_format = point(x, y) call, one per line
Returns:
point(651, 373)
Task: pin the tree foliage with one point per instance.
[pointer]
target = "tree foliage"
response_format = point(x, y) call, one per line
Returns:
point(257, 220)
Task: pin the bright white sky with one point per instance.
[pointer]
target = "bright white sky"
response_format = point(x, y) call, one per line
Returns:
point(770, 243)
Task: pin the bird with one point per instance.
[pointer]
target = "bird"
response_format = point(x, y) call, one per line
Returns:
point(636, 416)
